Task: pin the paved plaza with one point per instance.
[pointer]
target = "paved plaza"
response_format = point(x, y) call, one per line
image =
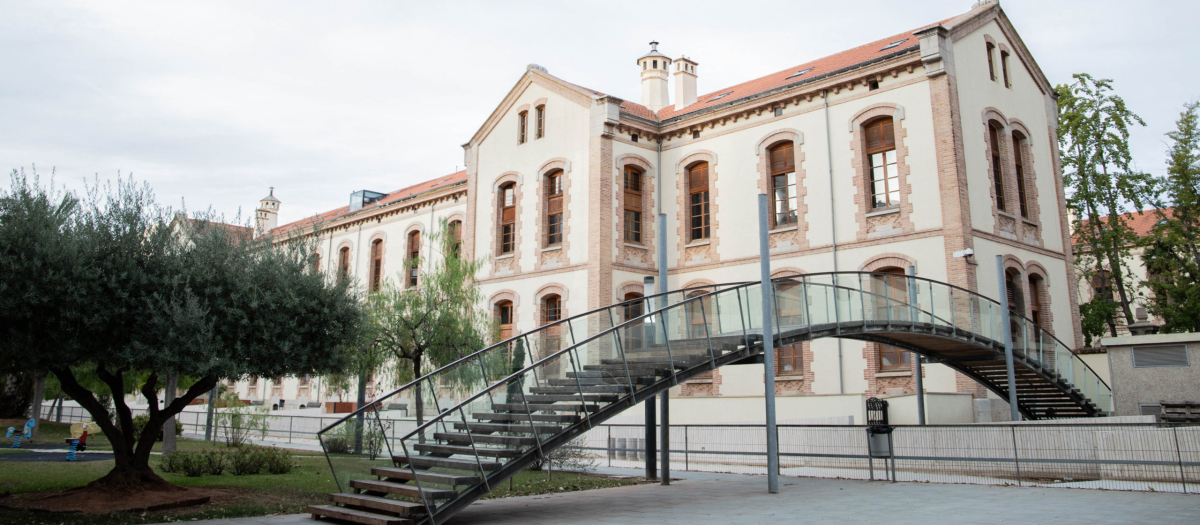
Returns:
point(735, 498)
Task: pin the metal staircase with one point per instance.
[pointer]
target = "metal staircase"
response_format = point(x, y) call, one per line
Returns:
point(613, 358)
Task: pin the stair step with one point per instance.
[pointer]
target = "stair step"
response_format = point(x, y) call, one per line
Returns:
point(545, 406)
point(586, 381)
point(491, 452)
point(635, 369)
point(402, 508)
point(544, 418)
point(460, 464)
point(424, 476)
point(553, 398)
point(402, 489)
point(463, 438)
point(574, 389)
point(356, 516)
point(507, 427)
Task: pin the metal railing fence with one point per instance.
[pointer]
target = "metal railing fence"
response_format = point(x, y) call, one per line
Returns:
point(1154, 457)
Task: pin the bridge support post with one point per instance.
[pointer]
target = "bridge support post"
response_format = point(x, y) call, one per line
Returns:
point(768, 340)
point(651, 446)
point(1008, 340)
point(916, 358)
point(665, 437)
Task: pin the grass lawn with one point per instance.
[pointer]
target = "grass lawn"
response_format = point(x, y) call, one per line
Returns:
point(309, 482)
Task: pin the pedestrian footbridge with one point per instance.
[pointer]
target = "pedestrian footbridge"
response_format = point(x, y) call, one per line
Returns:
point(528, 395)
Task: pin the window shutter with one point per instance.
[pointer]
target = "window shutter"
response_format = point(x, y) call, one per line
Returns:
point(889, 137)
point(874, 137)
point(1175, 355)
point(633, 201)
point(555, 205)
point(698, 178)
point(509, 214)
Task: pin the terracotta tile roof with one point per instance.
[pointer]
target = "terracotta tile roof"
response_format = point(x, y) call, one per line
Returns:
point(1142, 222)
point(899, 43)
point(393, 197)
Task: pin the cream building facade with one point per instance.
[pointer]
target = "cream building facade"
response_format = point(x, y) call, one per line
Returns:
point(895, 154)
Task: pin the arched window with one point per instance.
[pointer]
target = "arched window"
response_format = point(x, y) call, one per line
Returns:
point(991, 50)
point(783, 183)
point(508, 218)
point(1035, 300)
point(414, 256)
point(376, 264)
point(455, 238)
point(504, 317)
point(633, 308)
point(554, 208)
point(316, 262)
point(1102, 284)
point(1004, 68)
point(889, 286)
point(1018, 153)
point(344, 262)
point(633, 205)
point(551, 308)
point(1016, 296)
point(698, 312)
point(541, 122)
point(698, 211)
point(522, 126)
point(881, 158)
point(997, 171)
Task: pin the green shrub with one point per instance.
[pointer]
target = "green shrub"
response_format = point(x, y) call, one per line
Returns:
point(337, 445)
point(139, 424)
point(193, 464)
point(277, 460)
point(246, 460)
point(216, 461)
point(240, 421)
point(171, 462)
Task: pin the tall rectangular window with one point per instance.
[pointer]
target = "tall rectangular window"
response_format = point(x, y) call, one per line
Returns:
point(414, 256)
point(508, 218)
point(991, 50)
point(456, 238)
point(344, 262)
point(783, 183)
point(791, 360)
point(1018, 153)
point(698, 211)
point(881, 157)
point(376, 264)
point(541, 121)
point(522, 126)
point(997, 172)
point(554, 209)
point(633, 205)
point(893, 359)
point(1004, 68)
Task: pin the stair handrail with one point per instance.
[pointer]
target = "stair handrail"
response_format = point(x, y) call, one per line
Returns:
point(369, 405)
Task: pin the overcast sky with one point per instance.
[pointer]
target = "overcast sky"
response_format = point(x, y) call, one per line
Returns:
point(213, 102)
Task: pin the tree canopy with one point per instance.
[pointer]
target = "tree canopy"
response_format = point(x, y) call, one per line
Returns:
point(112, 284)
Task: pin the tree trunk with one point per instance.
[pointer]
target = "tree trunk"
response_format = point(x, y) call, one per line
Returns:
point(168, 446)
point(39, 391)
point(58, 410)
point(212, 408)
point(418, 399)
point(362, 402)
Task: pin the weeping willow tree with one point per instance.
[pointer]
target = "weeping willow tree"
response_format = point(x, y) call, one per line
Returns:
point(436, 322)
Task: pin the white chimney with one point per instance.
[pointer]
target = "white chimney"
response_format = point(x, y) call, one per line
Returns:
point(685, 83)
point(266, 217)
point(654, 67)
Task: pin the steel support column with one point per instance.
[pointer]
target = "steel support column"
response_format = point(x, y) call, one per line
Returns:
point(665, 436)
point(651, 447)
point(768, 341)
point(1008, 341)
point(916, 358)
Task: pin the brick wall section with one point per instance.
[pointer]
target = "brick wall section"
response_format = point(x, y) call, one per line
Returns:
point(707, 387)
point(601, 228)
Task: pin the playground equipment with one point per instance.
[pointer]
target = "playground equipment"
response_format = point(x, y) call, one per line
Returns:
point(27, 432)
point(78, 440)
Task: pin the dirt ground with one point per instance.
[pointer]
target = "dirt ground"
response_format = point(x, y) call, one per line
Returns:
point(91, 501)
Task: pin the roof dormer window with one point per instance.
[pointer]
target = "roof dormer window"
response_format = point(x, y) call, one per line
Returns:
point(893, 44)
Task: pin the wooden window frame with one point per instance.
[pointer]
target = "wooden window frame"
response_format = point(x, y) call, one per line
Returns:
point(997, 167)
point(522, 127)
point(1004, 68)
point(551, 308)
point(540, 130)
point(376, 264)
point(991, 51)
point(790, 354)
point(699, 205)
point(633, 204)
point(344, 262)
point(781, 163)
point(413, 258)
point(455, 228)
point(901, 357)
point(555, 213)
point(508, 218)
point(1018, 158)
point(885, 127)
point(501, 309)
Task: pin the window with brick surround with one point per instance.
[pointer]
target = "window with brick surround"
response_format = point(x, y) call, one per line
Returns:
point(889, 288)
point(1019, 152)
point(1035, 305)
point(316, 262)
point(783, 183)
point(698, 207)
point(456, 238)
point(634, 335)
point(884, 183)
point(790, 360)
point(504, 317)
point(633, 205)
point(892, 359)
point(1102, 284)
point(508, 218)
point(551, 308)
point(541, 122)
point(997, 170)
point(554, 208)
point(344, 262)
point(522, 126)
point(376, 265)
point(697, 315)
point(414, 256)
point(991, 50)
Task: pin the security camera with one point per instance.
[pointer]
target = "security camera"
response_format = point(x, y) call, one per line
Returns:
point(964, 253)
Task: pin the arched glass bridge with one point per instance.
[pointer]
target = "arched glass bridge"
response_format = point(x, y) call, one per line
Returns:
point(523, 397)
